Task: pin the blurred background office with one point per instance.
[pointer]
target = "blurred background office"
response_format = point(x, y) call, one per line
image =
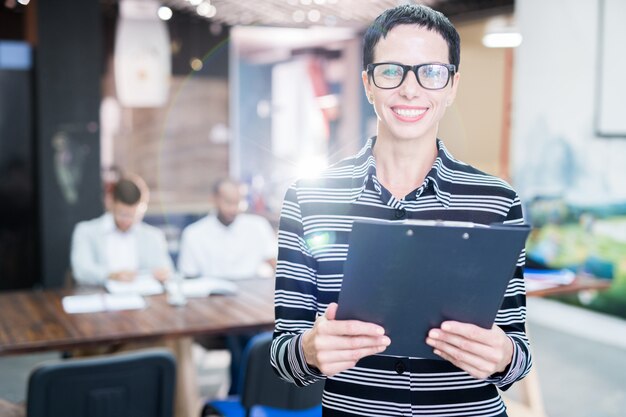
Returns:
point(183, 92)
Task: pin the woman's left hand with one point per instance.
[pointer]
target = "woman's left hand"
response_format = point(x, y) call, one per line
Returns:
point(480, 352)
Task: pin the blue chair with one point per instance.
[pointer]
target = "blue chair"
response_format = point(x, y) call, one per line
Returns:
point(137, 384)
point(263, 393)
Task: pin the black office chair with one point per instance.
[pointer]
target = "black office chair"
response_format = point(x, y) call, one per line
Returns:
point(263, 394)
point(137, 384)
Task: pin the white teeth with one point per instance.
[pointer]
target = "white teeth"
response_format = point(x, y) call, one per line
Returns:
point(409, 112)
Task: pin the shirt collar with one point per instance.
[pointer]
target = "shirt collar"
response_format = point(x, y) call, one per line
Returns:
point(216, 221)
point(108, 225)
point(364, 168)
point(438, 177)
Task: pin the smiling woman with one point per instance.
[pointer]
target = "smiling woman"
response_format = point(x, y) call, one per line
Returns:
point(410, 75)
point(408, 112)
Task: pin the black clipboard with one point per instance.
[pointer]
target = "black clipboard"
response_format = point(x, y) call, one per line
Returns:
point(411, 276)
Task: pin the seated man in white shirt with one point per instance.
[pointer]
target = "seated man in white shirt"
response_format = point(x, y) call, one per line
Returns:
point(118, 245)
point(232, 245)
point(228, 244)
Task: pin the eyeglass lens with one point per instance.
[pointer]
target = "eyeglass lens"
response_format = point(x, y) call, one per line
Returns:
point(430, 76)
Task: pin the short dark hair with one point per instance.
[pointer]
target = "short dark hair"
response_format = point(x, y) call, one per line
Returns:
point(126, 191)
point(217, 185)
point(412, 14)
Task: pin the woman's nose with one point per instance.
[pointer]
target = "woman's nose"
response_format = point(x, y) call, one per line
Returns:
point(410, 88)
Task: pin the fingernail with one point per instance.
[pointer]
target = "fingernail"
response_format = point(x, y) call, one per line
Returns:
point(434, 334)
point(445, 326)
point(380, 330)
point(385, 341)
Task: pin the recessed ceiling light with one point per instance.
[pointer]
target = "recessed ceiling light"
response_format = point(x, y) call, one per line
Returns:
point(299, 16)
point(206, 10)
point(501, 32)
point(314, 15)
point(164, 13)
point(502, 40)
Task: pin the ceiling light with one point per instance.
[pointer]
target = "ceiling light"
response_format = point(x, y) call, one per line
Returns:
point(314, 15)
point(206, 10)
point(299, 16)
point(164, 13)
point(203, 9)
point(501, 32)
point(502, 40)
point(196, 64)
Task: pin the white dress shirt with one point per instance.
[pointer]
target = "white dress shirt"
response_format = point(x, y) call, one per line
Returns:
point(97, 250)
point(121, 247)
point(239, 250)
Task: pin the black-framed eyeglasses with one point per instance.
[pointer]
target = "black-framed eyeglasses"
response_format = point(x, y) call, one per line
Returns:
point(388, 75)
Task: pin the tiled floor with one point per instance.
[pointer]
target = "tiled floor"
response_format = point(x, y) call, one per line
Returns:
point(579, 378)
point(14, 371)
point(580, 359)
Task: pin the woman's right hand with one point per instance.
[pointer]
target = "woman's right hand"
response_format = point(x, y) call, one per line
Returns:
point(333, 346)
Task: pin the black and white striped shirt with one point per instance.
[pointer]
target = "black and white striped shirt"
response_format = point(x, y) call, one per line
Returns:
point(315, 225)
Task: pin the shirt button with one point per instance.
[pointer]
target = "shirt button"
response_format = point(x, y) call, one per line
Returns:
point(400, 367)
point(400, 213)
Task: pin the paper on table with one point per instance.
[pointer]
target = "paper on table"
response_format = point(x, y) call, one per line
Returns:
point(539, 279)
point(83, 303)
point(144, 284)
point(94, 303)
point(124, 302)
point(203, 287)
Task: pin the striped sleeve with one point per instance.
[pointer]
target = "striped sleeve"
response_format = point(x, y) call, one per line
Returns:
point(512, 315)
point(295, 299)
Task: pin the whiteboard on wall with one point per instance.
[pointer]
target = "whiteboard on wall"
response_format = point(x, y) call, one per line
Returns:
point(611, 104)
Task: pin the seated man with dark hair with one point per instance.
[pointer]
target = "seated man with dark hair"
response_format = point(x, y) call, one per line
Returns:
point(228, 244)
point(118, 245)
point(232, 245)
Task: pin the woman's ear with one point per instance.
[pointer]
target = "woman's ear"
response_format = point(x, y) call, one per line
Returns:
point(367, 87)
point(455, 86)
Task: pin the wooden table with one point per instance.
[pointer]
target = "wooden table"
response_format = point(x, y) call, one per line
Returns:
point(34, 321)
point(531, 402)
point(581, 282)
